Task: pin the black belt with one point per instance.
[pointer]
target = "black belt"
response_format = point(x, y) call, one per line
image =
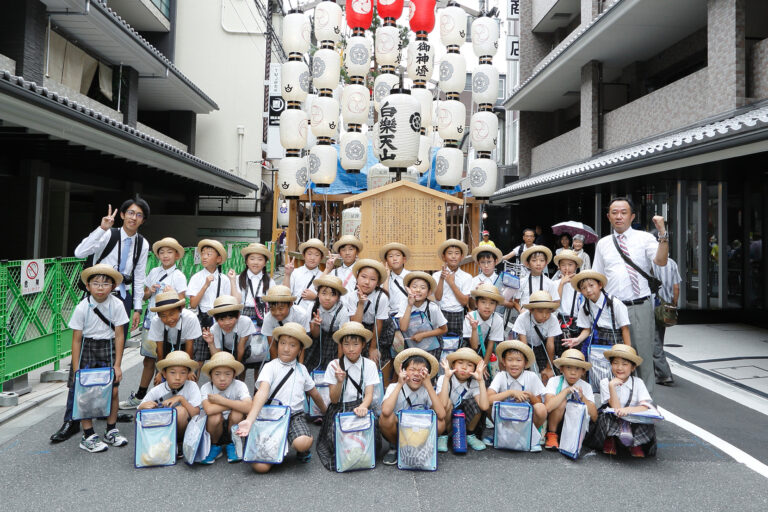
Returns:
point(95, 340)
point(636, 301)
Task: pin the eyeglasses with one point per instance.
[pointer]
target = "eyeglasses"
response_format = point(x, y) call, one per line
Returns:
point(134, 213)
point(100, 284)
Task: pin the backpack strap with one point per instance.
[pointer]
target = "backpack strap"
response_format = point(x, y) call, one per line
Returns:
point(114, 237)
point(280, 385)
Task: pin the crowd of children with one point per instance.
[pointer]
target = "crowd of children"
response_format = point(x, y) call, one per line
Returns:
point(375, 336)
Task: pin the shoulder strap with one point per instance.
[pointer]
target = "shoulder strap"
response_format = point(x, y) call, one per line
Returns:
point(628, 261)
point(407, 398)
point(335, 315)
point(306, 288)
point(279, 385)
point(399, 286)
point(426, 310)
point(631, 393)
point(103, 318)
point(538, 333)
point(114, 237)
point(358, 385)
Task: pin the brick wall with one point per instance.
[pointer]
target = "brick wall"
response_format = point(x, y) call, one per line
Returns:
point(759, 66)
point(556, 152)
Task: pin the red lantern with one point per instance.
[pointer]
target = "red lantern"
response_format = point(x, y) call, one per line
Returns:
point(422, 15)
point(359, 13)
point(390, 8)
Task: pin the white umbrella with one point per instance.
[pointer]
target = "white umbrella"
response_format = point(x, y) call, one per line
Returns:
point(576, 228)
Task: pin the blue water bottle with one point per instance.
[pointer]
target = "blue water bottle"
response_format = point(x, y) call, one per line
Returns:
point(459, 423)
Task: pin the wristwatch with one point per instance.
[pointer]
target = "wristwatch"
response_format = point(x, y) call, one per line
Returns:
point(664, 237)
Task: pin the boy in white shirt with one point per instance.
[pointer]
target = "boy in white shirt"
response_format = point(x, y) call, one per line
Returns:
point(516, 382)
point(287, 380)
point(421, 321)
point(538, 327)
point(282, 310)
point(300, 279)
point(568, 262)
point(536, 259)
point(348, 247)
point(231, 331)
point(395, 255)
point(453, 284)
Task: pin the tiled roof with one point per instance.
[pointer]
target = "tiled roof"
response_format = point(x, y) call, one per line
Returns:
point(730, 126)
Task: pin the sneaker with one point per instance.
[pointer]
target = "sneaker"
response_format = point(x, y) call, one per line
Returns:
point(609, 446)
point(93, 444)
point(475, 443)
point(488, 440)
point(636, 451)
point(552, 441)
point(214, 454)
point(115, 438)
point(304, 457)
point(442, 443)
point(488, 423)
point(131, 403)
point(390, 458)
point(232, 453)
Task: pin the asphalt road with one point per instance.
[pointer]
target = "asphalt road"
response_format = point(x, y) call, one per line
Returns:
point(687, 474)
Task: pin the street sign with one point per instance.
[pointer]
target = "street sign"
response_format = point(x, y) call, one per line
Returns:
point(513, 9)
point(32, 276)
point(276, 107)
point(513, 47)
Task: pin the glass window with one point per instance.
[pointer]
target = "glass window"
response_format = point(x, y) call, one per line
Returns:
point(692, 245)
point(735, 247)
point(713, 246)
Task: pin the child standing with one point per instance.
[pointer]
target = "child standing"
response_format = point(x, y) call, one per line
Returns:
point(462, 388)
point(570, 299)
point(226, 401)
point(395, 255)
point(536, 259)
point(419, 314)
point(253, 283)
point(484, 328)
point(174, 328)
point(571, 382)
point(516, 382)
point(285, 379)
point(347, 247)
point(487, 258)
point(281, 311)
point(328, 314)
point(352, 379)
point(415, 370)
point(231, 331)
point(538, 327)
point(453, 284)
point(97, 342)
point(370, 307)
point(300, 279)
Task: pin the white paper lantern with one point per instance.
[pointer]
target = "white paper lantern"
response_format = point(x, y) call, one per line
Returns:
point(421, 60)
point(297, 32)
point(374, 138)
point(293, 128)
point(399, 124)
point(485, 36)
point(485, 84)
point(283, 215)
point(381, 87)
point(292, 176)
point(449, 165)
point(482, 177)
point(355, 103)
point(328, 22)
point(424, 97)
point(435, 110)
point(357, 57)
point(353, 150)
point(378, 175)
point(451, 116)
point(324, 116)
point(483, 131)
point(322, 164)
point(453, 26)
point(387, 46)
point(424, 160)
point(294, 80)
point(326, 69)
point(453, 73)
point(307, 107)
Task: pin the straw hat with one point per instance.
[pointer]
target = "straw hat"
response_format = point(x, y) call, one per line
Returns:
point(588, 274)
point(410, 352)
point(314, 243)
point(220, 359)
point(331, 282)
point(225, 303)
point(293, 330)
point(530, 358)
point(394, 246)
point(167, 300)
point(466, 354)
point(570, 255)
point(486, 248)
point(101, 269)
point(361, 264)
point(214, 244)
point(348, 240)
point(572, 357)
point(421, 275)
point(625, 352)
point(177, 358)
point(541, 299)
point(278, 293)
point(452, 242)
point(352, 328)
point(489, 291)
point(256, 249)
point(169, 242)
point(535, 248)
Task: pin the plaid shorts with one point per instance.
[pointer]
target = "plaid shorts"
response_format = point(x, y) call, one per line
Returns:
point(201, 351)
point(542, 361)
point(94, 354)
point(298, 427)
point(471, 410)
point(455, 322)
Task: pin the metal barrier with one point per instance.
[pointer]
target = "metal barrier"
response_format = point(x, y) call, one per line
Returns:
point(33, 328)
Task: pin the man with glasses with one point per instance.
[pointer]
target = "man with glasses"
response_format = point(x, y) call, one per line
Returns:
point(128, 252)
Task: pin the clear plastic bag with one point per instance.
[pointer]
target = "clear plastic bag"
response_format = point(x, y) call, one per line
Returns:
point(417, 435)
point(355, 446)
point(648, 417)
point(93, 393)
point(601, 367)
point(310, 407)
point(575, 426)
point(197, 440)
point(268, 437)
point(450, 345)
point(259, 345)
point(514, 429)
point(378, 396)
point(155, 438)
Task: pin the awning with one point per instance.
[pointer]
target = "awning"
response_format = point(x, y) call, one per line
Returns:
point(741, 132)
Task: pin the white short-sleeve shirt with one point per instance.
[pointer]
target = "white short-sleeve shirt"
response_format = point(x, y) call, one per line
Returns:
point(363, 366)
point(338, 314)
point(525, 324)
point(406, 395)
point(435, 318)
point(300, 281)
point(161, 392)
point(293, 392)
point(584, 388)
point(188, 326)
point(570, 301)
point(172, 277)
point(620, 318)
point(346, 275)
point(530, 284)
point(220, 283)
point(255, 284)
point(458, 390)
point(85, 319)
point(398, 293)
point(528, 381)
point(449, 302)
point(294, 315)
point(642, 247)
point(376, 306)
point(491, 328)
point(635, 385)
point(243, 328)
point(483, 279)
point(237, 390)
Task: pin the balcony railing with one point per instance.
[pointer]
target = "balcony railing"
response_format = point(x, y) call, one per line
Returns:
point(164, 6)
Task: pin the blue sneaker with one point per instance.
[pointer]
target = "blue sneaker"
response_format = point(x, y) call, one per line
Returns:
point(304, 456)
point(214, 454)
point(232, 453)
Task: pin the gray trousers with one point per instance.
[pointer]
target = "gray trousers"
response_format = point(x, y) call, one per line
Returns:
point(641, 330)
point(660, 364)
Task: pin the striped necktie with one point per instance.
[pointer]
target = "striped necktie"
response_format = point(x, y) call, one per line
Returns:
point(632, 272)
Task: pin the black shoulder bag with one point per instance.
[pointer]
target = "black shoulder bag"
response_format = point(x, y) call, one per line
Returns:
point(653, 283)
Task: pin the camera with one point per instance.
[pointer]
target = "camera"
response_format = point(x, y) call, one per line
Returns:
point(127, 278)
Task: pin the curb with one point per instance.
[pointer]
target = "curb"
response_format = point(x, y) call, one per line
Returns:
point(29, 404)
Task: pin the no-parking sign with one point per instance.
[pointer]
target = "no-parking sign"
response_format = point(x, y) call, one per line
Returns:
point(32, 276)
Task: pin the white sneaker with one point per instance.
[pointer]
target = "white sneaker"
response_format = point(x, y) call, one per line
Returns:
point(93, 444)
point(131, 403)
point(115, 438)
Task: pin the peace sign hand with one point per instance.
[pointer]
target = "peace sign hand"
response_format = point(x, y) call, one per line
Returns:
point(317, 320)
point(289, 266)
point(108, 221)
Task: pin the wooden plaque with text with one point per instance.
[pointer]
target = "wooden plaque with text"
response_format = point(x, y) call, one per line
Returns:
point(407, 213)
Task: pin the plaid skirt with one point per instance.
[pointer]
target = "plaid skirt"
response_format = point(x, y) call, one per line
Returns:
point(385, 341)
point(322, 351)
point(609, 425)
point(570, 331)
point(298, 427)
point(455, 322)
point(256, 315)
point(326, 439)
point(201, 352)
point(94, 354)
point(542, 360)
point(606, 336)
point(471, 410)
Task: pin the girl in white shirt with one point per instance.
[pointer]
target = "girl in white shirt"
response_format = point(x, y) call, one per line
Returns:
point(253, 283)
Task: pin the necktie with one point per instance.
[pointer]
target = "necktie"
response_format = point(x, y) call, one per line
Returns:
point(124, 255)
point(632, 272)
